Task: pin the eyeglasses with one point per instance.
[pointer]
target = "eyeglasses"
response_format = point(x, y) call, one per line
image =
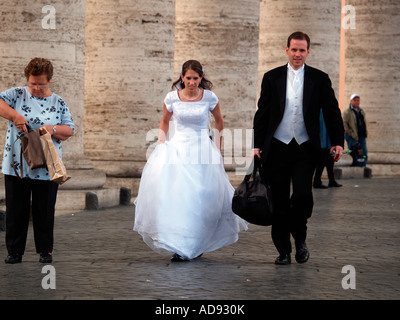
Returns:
point(40, 86)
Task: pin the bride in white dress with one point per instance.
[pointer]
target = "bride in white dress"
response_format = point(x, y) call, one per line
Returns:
point(184, 200)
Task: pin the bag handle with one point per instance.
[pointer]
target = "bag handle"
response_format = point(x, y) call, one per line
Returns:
point(20, 160)
point(256, 163)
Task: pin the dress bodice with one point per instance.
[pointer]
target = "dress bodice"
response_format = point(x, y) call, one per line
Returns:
point(190, 117)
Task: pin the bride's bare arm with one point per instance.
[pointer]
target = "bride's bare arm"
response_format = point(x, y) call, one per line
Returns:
point(164, 125)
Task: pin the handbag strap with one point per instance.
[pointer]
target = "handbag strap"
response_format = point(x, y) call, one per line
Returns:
point(20, 160)
point(256, 163)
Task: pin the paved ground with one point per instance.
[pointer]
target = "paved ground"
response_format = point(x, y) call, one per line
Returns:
point(98, 256)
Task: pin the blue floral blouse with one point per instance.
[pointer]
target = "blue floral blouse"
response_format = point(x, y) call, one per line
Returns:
point(38, 112)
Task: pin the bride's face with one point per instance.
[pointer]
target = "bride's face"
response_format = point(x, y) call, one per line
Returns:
point(191, 79)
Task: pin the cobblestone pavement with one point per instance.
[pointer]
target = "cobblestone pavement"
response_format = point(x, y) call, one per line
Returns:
point(98, 256)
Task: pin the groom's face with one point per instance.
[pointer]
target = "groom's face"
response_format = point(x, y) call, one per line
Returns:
point(297, 53)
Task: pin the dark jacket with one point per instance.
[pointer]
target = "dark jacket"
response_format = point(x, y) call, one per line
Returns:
point(318, 93)
point(350, 122)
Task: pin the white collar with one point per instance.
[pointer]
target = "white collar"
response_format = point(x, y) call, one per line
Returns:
point(296, 71)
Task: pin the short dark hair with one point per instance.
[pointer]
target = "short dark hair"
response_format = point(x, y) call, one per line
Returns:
point(298, 35)
point(39, 66)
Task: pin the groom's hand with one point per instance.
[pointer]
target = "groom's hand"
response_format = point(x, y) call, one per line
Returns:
point(256, 152)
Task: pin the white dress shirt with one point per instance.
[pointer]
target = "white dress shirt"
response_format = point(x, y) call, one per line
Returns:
point(292, 124)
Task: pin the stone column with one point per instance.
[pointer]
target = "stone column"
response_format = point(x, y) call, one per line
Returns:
point(372, 71)
point(223, 36)
point(56, 32)
point(129, 67)
point(319, 19)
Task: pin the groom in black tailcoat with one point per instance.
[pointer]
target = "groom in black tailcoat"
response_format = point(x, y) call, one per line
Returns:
point(286, 137)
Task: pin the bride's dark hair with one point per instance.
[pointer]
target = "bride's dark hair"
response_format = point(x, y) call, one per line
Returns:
point(196, 67)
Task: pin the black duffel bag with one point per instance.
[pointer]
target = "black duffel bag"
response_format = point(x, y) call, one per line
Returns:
point(252, 198)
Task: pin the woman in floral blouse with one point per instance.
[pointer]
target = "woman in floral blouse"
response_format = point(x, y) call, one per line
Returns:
point(32, 106)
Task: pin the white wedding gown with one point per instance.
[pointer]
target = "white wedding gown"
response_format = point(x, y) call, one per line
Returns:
point(185, 197)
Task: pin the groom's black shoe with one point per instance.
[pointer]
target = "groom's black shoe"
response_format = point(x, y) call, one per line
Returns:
point(334, 184)
point(302, 253)
point(283, 259)
point(319, 185)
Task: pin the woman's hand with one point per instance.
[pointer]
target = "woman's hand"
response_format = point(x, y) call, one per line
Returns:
point(20, 122)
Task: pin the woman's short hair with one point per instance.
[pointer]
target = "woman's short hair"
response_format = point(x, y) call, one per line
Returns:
point(38, 67)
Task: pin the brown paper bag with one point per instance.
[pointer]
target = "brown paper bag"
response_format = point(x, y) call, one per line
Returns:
point(31, 149)
point(56, 167)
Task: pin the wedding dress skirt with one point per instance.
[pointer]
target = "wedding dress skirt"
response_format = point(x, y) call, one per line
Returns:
point(185, 198)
